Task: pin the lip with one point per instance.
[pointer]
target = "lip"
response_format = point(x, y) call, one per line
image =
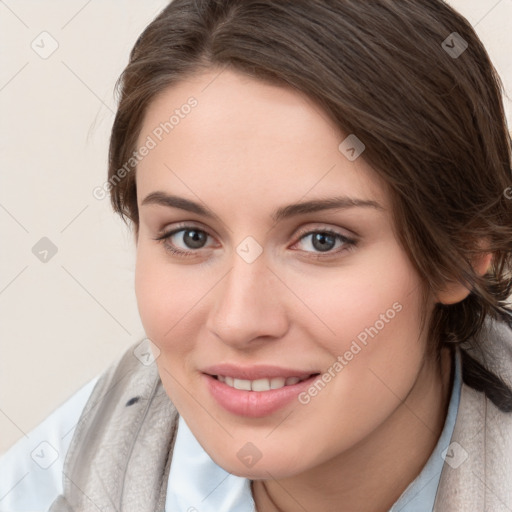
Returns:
point(255, 372)
point(254, 404)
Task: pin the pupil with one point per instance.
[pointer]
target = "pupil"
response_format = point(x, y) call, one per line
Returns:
point(320, 239)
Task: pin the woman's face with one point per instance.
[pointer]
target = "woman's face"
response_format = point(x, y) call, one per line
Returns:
point(265, 291)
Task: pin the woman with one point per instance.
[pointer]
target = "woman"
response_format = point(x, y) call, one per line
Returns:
point(319, 192)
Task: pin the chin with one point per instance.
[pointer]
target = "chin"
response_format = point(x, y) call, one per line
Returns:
point(261, 470)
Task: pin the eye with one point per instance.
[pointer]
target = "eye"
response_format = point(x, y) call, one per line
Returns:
point(324, 240)
point(190, 236)
point(193, 239)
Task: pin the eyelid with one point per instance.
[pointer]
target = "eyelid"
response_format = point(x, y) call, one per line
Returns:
point(325, 227)
point(192, 224)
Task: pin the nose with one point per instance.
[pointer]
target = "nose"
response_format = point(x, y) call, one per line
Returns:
point(248, 305)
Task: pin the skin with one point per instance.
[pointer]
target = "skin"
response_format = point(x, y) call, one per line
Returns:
point(246, 149)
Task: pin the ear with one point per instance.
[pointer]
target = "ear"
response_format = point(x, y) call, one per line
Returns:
point(456, 292)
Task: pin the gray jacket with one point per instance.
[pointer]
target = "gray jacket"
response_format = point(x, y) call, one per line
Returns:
point(120, 454)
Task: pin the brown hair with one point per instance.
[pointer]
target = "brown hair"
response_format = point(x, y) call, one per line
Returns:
point(432, 122)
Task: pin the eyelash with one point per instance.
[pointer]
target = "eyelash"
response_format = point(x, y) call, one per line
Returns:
point(349, 243)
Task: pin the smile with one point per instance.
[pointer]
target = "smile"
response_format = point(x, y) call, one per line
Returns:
point(256, 398)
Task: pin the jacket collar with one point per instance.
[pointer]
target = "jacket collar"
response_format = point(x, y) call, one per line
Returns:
point(477, 471)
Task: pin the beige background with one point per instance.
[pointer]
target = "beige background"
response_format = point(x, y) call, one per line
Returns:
point(62, 322)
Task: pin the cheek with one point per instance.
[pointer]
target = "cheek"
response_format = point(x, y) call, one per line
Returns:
point(148, 287)
point(164, 303)
point(375, 352)
point(376, 318)
point(377, 294)
point(162, 297)
point(373, 314)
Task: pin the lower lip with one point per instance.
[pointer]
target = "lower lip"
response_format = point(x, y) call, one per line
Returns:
point(254, 404)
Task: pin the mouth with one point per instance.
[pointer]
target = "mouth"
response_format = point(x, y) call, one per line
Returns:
point(256, 398)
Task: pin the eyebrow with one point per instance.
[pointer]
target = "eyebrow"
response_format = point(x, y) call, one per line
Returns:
point(283, 212)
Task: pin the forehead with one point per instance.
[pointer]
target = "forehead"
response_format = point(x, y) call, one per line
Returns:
point(244, 138)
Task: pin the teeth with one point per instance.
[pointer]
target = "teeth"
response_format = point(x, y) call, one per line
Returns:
point(242, 384)
point(277, 382)
point(259, 384)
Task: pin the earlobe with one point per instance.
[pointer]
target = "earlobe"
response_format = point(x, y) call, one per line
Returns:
point(457, 292)
point(453, 293)
point(483, 263)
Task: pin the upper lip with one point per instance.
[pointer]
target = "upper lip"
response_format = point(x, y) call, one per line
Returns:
point(255, 372)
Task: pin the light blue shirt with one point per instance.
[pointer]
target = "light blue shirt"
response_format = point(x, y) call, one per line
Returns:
point(31, 471)
point(421, 493)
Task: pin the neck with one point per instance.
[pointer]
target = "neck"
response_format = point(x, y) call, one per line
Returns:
point(380, 466)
